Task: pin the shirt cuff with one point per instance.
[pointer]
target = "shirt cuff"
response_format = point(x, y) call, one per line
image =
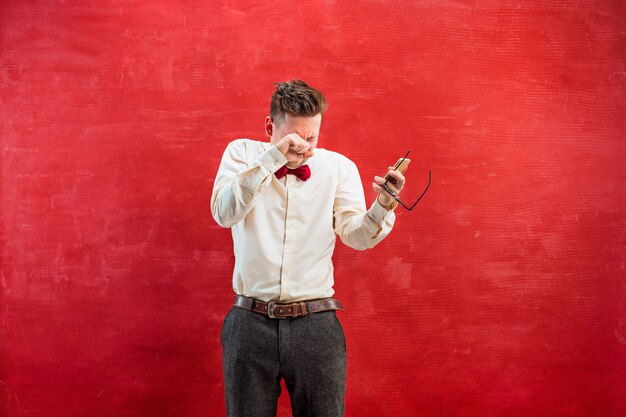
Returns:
point(378, 211)
point(272, 159)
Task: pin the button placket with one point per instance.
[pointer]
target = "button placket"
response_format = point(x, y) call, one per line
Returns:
point(290, 243)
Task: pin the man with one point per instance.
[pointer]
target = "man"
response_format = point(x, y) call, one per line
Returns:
point(285, 200)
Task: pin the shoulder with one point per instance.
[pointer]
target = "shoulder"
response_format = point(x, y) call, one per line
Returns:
point(246, 149)
point(244, 143)
point(336, 166)
point(335, 158)
point(339, 164)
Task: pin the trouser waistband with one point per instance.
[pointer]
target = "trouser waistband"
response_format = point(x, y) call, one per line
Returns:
point(283, 311)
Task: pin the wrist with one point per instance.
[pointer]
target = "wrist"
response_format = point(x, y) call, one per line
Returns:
point(385, 201)
point(282, 146)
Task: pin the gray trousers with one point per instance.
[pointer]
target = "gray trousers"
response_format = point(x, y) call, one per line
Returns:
point(308, 352)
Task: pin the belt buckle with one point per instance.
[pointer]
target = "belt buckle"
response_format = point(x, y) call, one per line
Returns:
point(303, 309)
point(270, 310)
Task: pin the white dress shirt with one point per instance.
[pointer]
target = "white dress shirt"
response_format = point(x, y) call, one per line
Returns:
point(284, 230)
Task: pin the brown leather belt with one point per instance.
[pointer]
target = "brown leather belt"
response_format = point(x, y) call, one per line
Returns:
point(283, 311)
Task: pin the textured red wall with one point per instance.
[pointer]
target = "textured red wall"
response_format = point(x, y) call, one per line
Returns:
point(502, 294)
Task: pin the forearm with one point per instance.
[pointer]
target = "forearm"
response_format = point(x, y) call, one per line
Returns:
point(235, 193)
point(362, 231)
point(232, 201)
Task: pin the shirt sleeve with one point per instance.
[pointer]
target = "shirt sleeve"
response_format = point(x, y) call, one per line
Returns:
point(239, 182)
point(356, 227)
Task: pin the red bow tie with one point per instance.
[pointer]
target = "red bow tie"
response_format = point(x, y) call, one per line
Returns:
point(302, 172)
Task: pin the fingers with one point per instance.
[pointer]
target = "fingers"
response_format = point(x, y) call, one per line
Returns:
point(394, 186)
point(297, 144)
point(299, 149)
point(379, 180)
point(295, 148)
point(293, 144)
point(379, 189)
point(378, 186)
point(397, 175)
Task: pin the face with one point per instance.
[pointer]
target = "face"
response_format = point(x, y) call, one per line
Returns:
point(307, 127)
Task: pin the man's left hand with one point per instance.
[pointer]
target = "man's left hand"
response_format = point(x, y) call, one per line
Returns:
point(384, 198)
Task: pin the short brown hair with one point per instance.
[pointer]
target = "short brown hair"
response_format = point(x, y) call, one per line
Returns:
point(297, 98)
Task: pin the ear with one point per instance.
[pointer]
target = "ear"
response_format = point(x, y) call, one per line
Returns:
point(269, 126)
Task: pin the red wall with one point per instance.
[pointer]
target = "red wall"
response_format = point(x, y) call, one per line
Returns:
point(502, 294)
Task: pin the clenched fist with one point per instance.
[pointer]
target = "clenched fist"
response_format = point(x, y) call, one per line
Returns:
point(295, 149)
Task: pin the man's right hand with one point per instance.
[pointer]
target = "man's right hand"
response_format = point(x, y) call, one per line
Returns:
point(295, 149)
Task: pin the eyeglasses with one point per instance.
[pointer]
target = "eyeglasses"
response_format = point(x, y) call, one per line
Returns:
point(391, 193)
